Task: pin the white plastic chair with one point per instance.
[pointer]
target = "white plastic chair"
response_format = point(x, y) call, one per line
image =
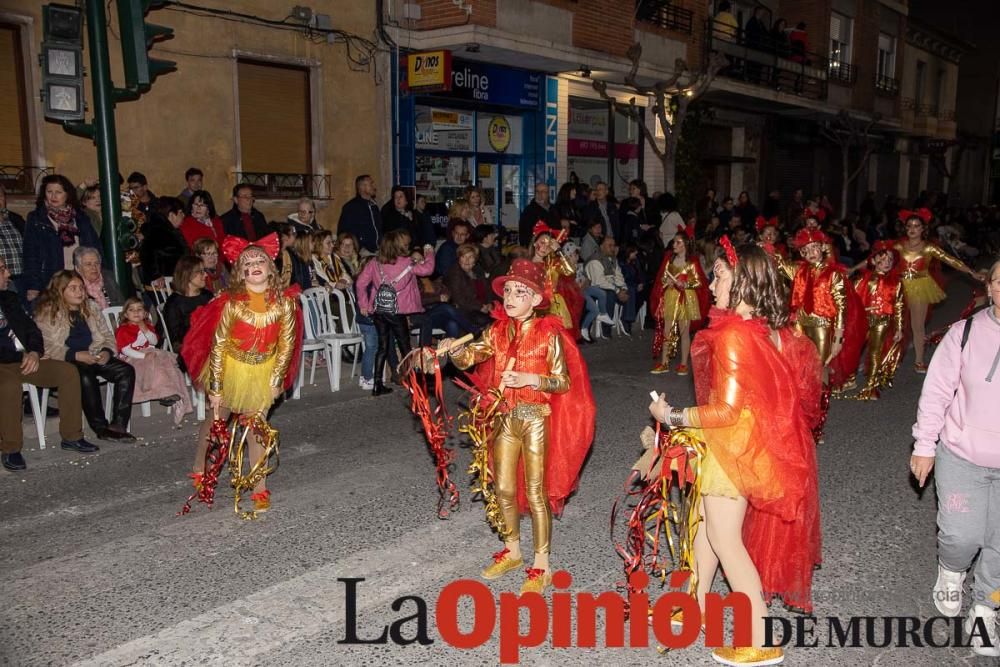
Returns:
point(38, 409)
point(160, 295)
point(321, 335)
point(111, 314)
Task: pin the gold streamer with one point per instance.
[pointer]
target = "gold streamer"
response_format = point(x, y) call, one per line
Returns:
point(245, 426)
point(479, 422)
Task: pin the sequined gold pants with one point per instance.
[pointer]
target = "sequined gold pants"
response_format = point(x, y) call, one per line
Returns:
point(528, 439)
point(878, 329)
point(820, 335)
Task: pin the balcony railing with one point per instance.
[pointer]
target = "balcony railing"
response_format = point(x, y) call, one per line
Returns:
point(925, 110)
point(776, 65)
point(843, 72)
point(664, 14)
point(286, 186)
point(21, 180)
point(887, 85)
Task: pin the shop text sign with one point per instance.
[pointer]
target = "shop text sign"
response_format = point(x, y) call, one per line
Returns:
point(485, 83)
point(429, 71)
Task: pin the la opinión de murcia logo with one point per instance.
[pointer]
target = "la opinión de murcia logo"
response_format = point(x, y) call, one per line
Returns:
point(554, 621)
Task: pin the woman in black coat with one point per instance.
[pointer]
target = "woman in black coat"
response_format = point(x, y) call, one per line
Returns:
point(53, 230)
point(162, 241)
point(189, 294)
point(398, 214)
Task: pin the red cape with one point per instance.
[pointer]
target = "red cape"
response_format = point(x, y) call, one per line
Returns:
point(845, 364)
point(773, 464)
point(571, 426)
point(570, 291)
point(197, 344)
point(656, 302)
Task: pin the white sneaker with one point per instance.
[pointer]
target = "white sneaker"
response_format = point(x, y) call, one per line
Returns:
point(947, 592)
point(585, 334)
point(366, 383)
point(603, 318)
point(989, 645)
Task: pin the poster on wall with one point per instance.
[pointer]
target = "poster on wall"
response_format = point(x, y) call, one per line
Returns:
point(498, 133)
point(443, 129)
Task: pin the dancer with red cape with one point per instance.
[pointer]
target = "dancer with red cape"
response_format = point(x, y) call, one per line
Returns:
point(678, 301)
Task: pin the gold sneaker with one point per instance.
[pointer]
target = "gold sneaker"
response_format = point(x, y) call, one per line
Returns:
point(536, 581)
point(748, 656)
point(659, 369)
point(502, 564)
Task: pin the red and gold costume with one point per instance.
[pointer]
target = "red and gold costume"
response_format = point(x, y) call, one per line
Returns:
point(670, 304)
point(917, 271)
point(881, 295)
point(242, 346)
point(563, 292)
point(757, 406)
point(544, 432)
point(823, 301)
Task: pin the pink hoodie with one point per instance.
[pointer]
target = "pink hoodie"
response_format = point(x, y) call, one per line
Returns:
point(407, 289)
point(960, 400)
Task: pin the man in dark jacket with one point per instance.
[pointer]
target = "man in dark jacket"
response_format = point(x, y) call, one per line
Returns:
point(21, 349)
point(538, 210)
point(243, 219)
point(162, 241)
point(360, 216)
point(605, 211)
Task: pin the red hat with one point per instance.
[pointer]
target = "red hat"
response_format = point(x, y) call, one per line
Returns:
point(761, 223)
point(922, 213)
point(542, 228)
point(233, 246)
point(527, 272)
point(807, 236)
point(881, 246)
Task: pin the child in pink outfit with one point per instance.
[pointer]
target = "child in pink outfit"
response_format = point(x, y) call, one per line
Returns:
point(393, 275)
point(157, 376)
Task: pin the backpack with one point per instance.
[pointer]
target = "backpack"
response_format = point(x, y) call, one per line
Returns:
point(386, 297)
point(968, 326)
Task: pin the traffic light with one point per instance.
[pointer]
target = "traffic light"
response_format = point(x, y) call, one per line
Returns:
point(137, 38)
point(62, 62)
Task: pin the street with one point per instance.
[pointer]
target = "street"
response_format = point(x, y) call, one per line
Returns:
point(100, 570)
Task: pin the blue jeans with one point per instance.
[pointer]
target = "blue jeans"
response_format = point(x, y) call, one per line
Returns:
point(369, 336)
point(442, 316)
point(588, 317)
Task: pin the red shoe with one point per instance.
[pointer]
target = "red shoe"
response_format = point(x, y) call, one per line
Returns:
point(682, 369)
point(261, 501)
point(660, 368)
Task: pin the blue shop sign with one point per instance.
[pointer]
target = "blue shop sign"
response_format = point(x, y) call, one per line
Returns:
point(495, 84)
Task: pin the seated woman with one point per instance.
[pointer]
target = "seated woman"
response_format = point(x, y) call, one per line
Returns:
point(327, 271)
point(74, 330)
point(216, 276)
point(438, 313)
point(469, 291)
point(99, 282)
point(157, 375)
point(347, 253)
point(189, 294)
point(293, 268)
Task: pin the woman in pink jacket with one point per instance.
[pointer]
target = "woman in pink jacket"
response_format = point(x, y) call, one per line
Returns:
point(387, 292)
point(957, 431)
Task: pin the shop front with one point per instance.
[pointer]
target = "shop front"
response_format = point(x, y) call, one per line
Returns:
point(486, 130)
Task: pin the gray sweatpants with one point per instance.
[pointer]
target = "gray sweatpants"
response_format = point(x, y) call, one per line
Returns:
point(968, 521)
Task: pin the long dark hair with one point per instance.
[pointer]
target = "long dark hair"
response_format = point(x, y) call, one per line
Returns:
point(71, 199)
point(206, 197)
point(757, 284)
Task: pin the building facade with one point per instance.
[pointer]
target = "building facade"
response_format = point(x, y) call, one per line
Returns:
point(289, 107)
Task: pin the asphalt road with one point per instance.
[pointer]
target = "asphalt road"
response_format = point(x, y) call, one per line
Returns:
point(99, 570)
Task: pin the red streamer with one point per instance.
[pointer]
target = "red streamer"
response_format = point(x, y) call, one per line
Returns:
point(216, 458)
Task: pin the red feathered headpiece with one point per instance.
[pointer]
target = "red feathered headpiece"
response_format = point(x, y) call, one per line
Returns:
point(880, 247)
point(542, 228)
point(686, 230)
point(923, 213)
point(819, 215)
point(807, 236)
point(761, 223)
point(233, 246)
point(727, 245)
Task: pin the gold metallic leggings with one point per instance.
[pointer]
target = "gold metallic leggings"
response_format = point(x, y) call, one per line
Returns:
point(527, 439)
point(821, 336)
point(877, 331)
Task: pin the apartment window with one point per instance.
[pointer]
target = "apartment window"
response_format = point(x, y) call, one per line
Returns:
point(886, 56)
point(840, 40)
point(274, 118)
point(603, 145)
point(920, 82)
point(14, 140)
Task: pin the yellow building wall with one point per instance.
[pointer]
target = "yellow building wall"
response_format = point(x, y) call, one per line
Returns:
point(189, 117)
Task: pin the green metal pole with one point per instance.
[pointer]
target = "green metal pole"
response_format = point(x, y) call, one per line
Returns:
point(107, 145)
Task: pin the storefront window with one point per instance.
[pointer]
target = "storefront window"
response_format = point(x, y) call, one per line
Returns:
point(442, 178)
point(601, 149)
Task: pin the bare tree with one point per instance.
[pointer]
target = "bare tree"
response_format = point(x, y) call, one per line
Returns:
point(683, 87)
point(849, 133)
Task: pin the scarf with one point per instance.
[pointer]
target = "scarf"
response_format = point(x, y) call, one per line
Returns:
point(95, 290)
point(65, 221)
